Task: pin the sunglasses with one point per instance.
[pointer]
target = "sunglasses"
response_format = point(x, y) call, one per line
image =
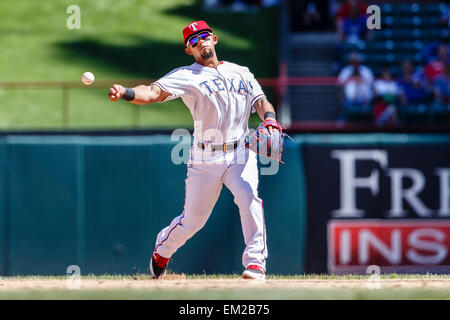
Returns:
point(194, 41)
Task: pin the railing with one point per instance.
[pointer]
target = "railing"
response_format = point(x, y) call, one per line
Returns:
point(67, 86)
point(279, 86)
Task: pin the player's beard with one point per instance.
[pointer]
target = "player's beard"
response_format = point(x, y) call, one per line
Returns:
point(207, 54)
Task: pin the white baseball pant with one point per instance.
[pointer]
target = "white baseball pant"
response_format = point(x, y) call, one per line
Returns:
point(206, 173)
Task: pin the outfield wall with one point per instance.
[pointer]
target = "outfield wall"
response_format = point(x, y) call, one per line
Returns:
point(99, 202)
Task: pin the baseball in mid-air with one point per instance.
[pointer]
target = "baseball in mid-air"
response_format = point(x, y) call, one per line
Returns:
point(87, 78)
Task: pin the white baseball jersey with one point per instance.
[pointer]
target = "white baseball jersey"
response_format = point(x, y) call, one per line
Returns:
point(219, 99)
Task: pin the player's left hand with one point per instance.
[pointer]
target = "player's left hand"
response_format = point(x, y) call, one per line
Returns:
point(271, 127)
point(268, 139)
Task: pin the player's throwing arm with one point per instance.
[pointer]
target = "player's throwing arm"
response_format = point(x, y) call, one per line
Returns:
point(141, 95)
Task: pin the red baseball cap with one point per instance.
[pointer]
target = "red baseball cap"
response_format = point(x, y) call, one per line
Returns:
point(195, 28)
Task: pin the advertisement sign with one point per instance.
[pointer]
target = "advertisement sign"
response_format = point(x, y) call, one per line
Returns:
point(392, 182)
point(394, 246)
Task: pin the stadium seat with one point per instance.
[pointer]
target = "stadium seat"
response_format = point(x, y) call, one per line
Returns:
point(439, 113)
point(376, 46)
point(386, 8)
point(413, 56)
point(403, 34)
point(381, 58)
point(359, 116)
point(409, 22)
point(409, 46)
point(432, 9)
point(433, 34)
point(348, 47)
point(405, 8)
point(415, 114)
point(387, 21)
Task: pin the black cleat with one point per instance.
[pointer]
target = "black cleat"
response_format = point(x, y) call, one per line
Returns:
point(158, 265)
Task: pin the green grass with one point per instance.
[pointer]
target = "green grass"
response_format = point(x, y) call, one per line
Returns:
point(234, 294)
point(139, 276)
point(133, 39)
point(239, 292)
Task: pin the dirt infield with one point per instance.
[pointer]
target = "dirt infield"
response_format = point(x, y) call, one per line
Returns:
point(202, 284)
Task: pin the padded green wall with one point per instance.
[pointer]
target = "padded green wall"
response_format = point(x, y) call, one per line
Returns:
point(99, 202)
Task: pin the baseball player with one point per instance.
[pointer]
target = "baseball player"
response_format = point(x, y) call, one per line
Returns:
point(220, 96)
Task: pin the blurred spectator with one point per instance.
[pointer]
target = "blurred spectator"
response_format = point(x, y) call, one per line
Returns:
point(309, 15)
point(442, 90)
point(353, 29)
point(333, 8)
point(312, 18)
point(386, 92)
point(436, 67)
point(430, 50)
point(351, 21)
point(354, 63)
point(413, 88)
point(445, 20)
point(357, 95)
point(345, 9)
point(356, 81)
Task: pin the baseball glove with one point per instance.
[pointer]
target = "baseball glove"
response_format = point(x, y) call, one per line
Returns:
point(265, 143)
